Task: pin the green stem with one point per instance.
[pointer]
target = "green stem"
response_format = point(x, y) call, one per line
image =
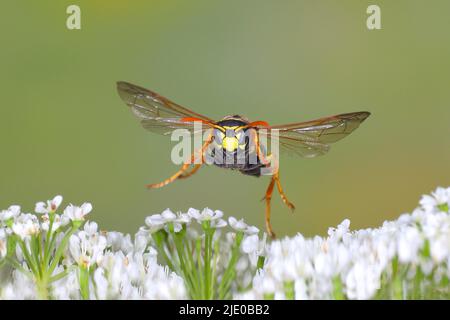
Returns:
point(260, 263)
point(84, 282)
point(180, 252)
point(213, 275)
point(42, 288)
point(193, 271)
point(338, 290)
point(209, 233)
point(159, 239)
point(60, 275)
point(17, 265)
point(48, 239)
point(289, 290)
point(28, 258)
point(198, 247)
point(50, 248)
point(35, 253)
point(61, 249)
point(229, 273)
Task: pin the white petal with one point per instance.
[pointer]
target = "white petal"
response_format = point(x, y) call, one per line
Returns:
point(86, 207)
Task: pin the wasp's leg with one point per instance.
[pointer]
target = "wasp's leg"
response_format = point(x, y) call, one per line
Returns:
point(201, 152)
point(276, 177)
point(188, 174)
point(255, 138)
point(266, 160)
point(183, 169)
point(180, 174)
point(268, 198)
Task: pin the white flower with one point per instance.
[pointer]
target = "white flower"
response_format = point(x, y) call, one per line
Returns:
point(140, 242)
point(57, 222)
point(268, 285)
point(119, 242)
point(87, 246)
point(220, 223)
point(255, 248)
point(154, 222)
point(408, 244)
point(158, 221)
point(342, 229)
point(75, 213)
point(134, 276)
point(240, 225)
point(3, 243)
point(250, 244)
point(440, 248)
point(49, 207)
point(20, 287)
point(11, 212)
point(438, 198)
point(362, 281)
point(67, 287)
point(323, 264)
point(206, 214)
point(26, 225)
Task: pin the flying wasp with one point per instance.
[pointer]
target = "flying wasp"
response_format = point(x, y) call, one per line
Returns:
point(237, 138)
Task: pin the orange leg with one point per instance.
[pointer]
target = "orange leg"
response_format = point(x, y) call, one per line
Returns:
point(268, 198)
point(181, 174)
point(266, 160)
point(183, 169)
point(274, 179)
point(188, 174)
point(259, 152)
point(281, 192)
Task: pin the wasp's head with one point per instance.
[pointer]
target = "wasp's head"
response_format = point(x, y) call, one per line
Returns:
point(230, 139)
point(229, 134)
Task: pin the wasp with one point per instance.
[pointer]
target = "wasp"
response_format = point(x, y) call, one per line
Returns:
point(236, 138)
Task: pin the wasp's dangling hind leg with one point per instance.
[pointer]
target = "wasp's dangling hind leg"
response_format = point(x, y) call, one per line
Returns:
point(281, 192)
point(275, 179)
point(268, 198)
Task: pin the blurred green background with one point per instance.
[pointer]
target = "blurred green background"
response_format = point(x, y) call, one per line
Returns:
point(64, 129)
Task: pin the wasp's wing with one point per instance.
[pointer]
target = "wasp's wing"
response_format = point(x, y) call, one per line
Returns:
point(157, 114)
point(313, 138)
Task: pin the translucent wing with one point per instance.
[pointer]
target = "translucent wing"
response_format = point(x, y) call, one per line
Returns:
point(313, 138)
point(157, 114)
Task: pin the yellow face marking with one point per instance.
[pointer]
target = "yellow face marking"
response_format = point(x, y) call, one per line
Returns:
point(230, 143)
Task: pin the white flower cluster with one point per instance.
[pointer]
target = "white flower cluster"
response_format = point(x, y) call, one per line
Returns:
point(248, 252)
point(64, 256)
point(406, 258)
point(128, 270)
point(118, 267)
point(214, 217)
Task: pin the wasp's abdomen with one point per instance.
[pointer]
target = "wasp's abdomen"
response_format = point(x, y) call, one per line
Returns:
point(243, 159)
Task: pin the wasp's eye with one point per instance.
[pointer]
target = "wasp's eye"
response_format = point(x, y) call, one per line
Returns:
point(241, 137)
point(219, 135)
